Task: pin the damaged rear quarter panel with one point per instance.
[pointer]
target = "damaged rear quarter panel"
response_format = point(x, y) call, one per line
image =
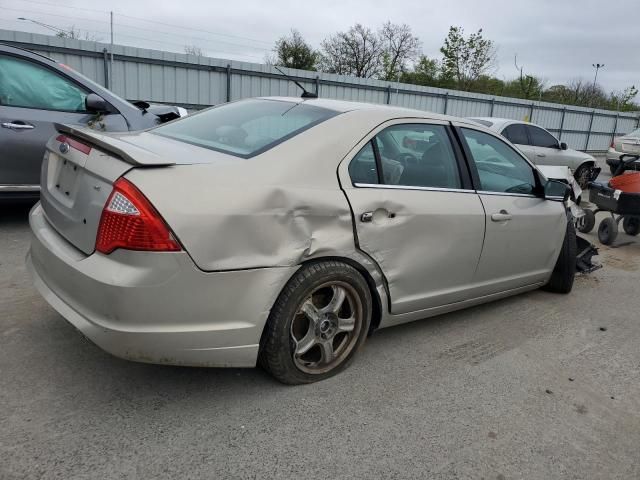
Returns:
point(277, 209)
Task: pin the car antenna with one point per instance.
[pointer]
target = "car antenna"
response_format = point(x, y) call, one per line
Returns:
point(305, 92)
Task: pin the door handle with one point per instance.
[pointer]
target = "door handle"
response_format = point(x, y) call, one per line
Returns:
point(503, 216)
point(17, 126)
point(367, 217)
point(540, 155)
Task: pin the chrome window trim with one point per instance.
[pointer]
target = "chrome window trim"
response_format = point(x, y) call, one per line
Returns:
point(507, 194)
point(438, 189)
point(410, 187)
point(19, 188)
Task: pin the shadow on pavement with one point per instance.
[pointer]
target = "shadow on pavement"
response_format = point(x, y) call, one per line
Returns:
point(15, 212)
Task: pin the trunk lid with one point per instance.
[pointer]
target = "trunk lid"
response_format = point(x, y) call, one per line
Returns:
point(81, 165)
point(78, 171)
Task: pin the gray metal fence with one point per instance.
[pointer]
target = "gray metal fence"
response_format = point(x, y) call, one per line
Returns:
point(196, 82)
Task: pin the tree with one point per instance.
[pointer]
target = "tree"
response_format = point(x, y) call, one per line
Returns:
point(525, 86)
point(466, 59)
point(77, 34)
point(294, 52)
point(400, 46)
point(623, 101)
point(193, 50)
point(357, 52)
point(425, 72)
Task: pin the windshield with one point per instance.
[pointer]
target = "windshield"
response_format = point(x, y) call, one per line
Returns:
point(246, 128)
point(635, 133)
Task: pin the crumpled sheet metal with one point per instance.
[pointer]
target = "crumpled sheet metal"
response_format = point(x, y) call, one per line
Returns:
point(239, 227)
point(279, 208)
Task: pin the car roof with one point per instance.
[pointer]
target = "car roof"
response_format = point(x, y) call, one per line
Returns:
point(23, 51)
point(499, 123)
point(343, 106)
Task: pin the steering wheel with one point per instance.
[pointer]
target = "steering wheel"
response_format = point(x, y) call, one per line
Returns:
point(407, 159)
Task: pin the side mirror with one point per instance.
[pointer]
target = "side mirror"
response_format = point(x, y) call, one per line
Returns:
point(557, 191)
point(95, 103)
point(563, 146)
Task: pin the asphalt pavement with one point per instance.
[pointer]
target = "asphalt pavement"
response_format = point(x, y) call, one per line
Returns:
point(538, 386)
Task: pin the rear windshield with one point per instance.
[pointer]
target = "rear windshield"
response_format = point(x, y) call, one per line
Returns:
point(245, 128)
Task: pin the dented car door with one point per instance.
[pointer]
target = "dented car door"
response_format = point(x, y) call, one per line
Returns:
point(416, 213)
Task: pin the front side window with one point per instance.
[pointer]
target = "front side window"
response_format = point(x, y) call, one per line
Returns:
point(500, 168)
point(516, 134)
point(541, 138)
point(245, 128)
point(26, 84)
point(417, 155)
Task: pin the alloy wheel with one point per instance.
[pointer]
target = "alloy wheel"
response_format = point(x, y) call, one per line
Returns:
point(326, 327)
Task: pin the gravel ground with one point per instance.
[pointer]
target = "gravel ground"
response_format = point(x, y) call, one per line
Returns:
point(537, 386)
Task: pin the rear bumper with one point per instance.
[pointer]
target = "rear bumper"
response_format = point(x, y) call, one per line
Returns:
point(613, 157)
point(154, 307)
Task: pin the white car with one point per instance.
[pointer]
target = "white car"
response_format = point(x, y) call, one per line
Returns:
point(558, 172)
point(626, 145)
point(542, 148)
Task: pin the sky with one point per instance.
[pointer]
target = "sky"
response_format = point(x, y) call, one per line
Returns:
point(554, 39)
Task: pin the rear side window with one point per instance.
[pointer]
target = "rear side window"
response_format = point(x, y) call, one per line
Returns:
point(516, 134)
point(246, 128)
point(541, 138)
point(26, 84)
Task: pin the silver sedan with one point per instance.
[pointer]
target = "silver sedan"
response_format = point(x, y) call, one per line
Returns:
point(285, 231)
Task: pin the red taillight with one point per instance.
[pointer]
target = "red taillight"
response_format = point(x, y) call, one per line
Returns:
point(613, 145)
point(129, 221)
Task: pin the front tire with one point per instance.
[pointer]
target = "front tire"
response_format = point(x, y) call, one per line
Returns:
point(319, 321)
point(564, 272)
point(582, 175)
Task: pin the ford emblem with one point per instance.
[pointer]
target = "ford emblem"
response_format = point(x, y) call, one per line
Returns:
point(64, 147)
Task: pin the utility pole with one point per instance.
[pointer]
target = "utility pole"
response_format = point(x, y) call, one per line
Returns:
point(597, 66)
point(111, 48)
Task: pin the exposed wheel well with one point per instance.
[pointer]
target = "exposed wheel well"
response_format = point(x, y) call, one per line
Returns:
point(376, 312)
point(589, 163)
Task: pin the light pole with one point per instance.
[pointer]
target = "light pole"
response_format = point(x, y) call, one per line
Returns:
point(45, 25)
point(597, 66)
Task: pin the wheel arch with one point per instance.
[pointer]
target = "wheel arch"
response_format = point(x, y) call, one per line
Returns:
point(376, 301)
point(587, 161)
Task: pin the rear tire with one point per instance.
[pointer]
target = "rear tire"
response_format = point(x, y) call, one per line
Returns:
point(607, 231)
point(319, 321)
point(631, 225)
point(564, 272)
point(586, 223)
